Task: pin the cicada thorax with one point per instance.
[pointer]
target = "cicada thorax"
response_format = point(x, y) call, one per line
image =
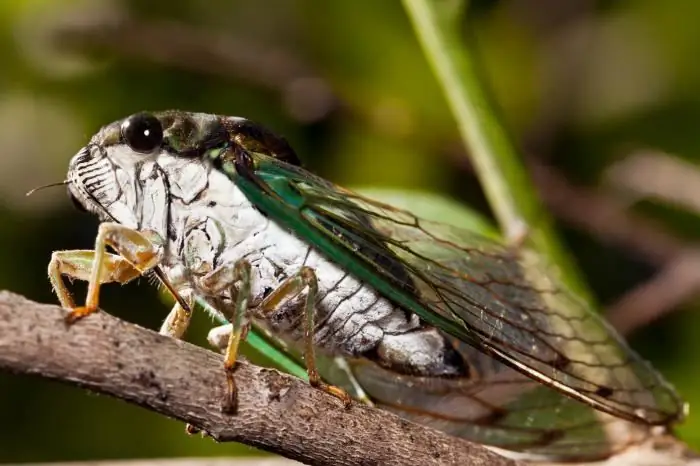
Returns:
point(199, 134)
point(191, 134)
point(253, 137)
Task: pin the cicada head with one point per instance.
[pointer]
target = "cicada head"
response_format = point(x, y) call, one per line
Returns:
point(130, 169)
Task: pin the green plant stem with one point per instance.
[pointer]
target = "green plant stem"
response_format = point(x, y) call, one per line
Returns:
point(507, 186)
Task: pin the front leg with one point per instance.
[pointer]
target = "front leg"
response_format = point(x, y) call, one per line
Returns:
point(77, 264)
point(137, 253)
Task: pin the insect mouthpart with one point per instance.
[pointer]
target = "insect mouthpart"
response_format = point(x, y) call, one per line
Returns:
point(91, 181)
point(77, 203)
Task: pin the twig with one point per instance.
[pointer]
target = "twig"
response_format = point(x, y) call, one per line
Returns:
point(277, 412)
point(248, 461)
point(307, 96)
point(675, 284)
point(608, 220)
point(605, 218)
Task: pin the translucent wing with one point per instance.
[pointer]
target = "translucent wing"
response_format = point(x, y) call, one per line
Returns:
point(501, 407)
point(472, 288)
point(495, 405)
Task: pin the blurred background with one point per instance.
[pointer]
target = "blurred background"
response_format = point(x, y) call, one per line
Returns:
point(603, 97)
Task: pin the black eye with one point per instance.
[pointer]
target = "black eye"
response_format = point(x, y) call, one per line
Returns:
point(76, 202)
point(142, 132)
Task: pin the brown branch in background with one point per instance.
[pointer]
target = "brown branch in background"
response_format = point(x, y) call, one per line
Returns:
point(671, 180)
point(651, 174)
point(566, 31)
point(305, 94)
point(241, 461)
point(675, 284)
point(605, 218)
point(277, 412)
point(181, 46)
point(609, 220)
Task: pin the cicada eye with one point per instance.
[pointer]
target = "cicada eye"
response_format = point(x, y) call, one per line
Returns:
point(142, 132)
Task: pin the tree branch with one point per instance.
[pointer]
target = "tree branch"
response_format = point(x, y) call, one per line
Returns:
point(203, 461)
point(277, 412)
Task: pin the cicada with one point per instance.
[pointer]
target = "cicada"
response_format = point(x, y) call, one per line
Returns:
point(437, 324)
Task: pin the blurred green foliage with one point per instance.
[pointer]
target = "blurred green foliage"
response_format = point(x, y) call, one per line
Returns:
point(581, 84)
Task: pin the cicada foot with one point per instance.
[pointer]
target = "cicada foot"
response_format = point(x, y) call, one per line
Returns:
point(316, 382)
point(337, 392)
point(78, 313)
point(191, 429)
point(230, 403)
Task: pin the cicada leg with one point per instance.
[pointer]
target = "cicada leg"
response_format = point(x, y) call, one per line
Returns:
point(137, 253)
point(77, 264)
point(215, 282)
point(178, 320)
point(304, 280)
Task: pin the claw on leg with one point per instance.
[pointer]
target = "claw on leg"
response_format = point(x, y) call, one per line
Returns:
point(192, 430)
point(230, 404)
point(337, 392)
point(78, 313)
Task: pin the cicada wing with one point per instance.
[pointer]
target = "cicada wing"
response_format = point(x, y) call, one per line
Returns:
point(533, 323)
point(471, 287)
point(500, 407)
point(495, 405)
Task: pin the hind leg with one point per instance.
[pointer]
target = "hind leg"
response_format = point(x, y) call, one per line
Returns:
point(305, 282)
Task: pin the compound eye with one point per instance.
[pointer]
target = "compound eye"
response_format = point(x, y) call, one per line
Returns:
point(142, 132)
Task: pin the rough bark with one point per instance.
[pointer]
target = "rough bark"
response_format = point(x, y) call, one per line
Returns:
point(277, 412)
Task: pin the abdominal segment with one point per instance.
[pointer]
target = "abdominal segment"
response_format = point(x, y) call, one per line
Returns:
point(352, 320)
